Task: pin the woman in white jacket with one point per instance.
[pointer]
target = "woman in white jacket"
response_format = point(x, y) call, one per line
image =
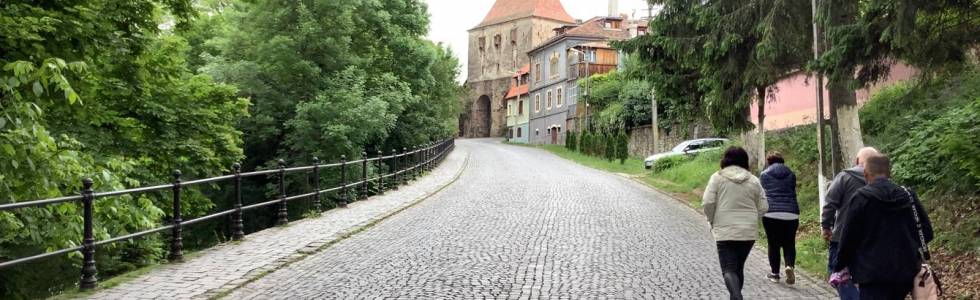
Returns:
point(734, 201)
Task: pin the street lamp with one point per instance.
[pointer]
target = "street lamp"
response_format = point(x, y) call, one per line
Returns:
point(585, 94)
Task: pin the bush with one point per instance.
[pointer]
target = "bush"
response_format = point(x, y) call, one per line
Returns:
point(669, 162)
point(570, 141)
point(623, 147)
point(610, 146)
point(585, 145)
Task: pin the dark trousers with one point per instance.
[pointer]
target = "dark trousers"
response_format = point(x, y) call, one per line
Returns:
point(885, 291)
point(781, 235)
point(732, 256)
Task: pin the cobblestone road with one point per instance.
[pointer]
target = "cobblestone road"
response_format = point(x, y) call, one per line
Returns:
point(521, 223)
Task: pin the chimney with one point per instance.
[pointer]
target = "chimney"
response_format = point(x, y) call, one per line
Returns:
point(613, 8)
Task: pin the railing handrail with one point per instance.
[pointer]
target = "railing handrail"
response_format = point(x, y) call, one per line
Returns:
point(58, 200)
point(420, 158)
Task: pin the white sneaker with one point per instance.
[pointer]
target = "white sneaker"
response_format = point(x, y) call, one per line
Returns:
point(790, 275)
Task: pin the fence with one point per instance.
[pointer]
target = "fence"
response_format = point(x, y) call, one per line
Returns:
point(405, 165)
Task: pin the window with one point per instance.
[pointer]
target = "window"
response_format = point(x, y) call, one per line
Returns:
point(518, 132)
point(536, 132)
point(549, 131)
point(537, 102)
point(483, 43)
point(558, 101)
point(549, 100)
point(520, 108)
point(537, 70)
point(496, 41)
point(513, 37)
point(553, 72)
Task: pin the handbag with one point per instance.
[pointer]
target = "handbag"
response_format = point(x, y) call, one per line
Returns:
point(926, 285)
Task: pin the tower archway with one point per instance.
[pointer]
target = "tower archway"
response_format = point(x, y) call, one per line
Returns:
point(482, 119)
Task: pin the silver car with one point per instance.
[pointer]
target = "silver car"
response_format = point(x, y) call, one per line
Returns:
point(691, 147)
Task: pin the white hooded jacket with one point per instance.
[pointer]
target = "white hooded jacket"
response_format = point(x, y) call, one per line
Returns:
point(734, 201)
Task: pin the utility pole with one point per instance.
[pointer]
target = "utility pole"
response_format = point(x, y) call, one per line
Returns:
point(821, 178)
point(588, 122)
point(655, 125)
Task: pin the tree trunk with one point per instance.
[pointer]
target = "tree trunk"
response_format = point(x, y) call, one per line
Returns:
point(845, 126)
point(761, 97)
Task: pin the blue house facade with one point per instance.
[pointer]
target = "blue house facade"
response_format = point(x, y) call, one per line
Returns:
point(576, 52)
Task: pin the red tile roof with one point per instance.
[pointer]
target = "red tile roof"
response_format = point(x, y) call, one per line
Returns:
point(593, 29)
point(523, 70)
point(509, 10)
point(517, 91)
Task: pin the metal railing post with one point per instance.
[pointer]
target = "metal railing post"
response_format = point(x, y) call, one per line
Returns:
point(394, 170)
point(176, 241)
point(414, 158)
point(405, 164)
point(381, 175)
point(316, 185)
point(237, 226)
point(88, 280)
point(343, 181)
point(364, 176)
point(283, 214)
point(429, 154)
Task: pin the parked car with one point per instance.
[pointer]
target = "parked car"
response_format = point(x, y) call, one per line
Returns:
point(689, 147)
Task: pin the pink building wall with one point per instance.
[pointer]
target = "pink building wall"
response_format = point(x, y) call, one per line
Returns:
point(793, 101)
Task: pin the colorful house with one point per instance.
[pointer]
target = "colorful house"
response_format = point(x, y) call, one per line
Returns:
point(517, 106)
point(576, 51)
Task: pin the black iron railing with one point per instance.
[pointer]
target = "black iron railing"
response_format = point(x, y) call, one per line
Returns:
point(406, 165)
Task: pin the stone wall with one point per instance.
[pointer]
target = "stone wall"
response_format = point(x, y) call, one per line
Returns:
point(641, 138)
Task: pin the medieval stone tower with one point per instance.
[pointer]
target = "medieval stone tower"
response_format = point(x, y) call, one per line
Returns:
point(498, 46)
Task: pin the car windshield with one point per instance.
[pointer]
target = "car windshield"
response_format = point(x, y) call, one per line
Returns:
point(680, 147)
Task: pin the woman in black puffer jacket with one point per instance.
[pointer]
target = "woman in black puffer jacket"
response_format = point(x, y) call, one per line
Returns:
point(783, 218)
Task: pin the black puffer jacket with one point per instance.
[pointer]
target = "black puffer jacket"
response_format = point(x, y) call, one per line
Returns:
point(879, 240)
point(780, 185)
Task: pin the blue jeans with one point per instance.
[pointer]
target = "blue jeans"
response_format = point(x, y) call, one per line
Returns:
point(846, 291)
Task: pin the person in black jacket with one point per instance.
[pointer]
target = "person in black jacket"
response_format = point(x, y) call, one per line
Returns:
point(783, 218)
point(879, 243)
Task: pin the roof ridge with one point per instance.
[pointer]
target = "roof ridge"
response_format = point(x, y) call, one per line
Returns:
point(509, 10)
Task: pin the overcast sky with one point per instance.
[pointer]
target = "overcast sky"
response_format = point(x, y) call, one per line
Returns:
point(450, 19)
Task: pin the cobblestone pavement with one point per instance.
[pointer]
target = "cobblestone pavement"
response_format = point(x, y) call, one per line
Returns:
point(219, 269)
point(521, 223)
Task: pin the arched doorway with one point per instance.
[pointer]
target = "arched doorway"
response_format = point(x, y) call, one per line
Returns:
point(482, 117)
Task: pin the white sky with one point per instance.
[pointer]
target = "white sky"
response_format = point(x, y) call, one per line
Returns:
point(450, 19)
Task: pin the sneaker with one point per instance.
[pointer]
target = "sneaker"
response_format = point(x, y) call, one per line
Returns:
point(790, 275)
point(773, 277)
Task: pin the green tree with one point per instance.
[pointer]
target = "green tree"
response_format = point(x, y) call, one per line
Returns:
point(96, 89)
point(333, 77)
